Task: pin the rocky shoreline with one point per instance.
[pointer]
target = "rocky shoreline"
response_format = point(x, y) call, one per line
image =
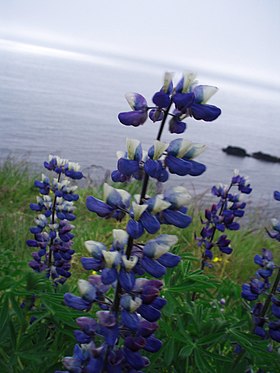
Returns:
point(241, 152)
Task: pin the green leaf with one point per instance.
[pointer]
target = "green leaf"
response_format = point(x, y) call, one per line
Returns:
point(186, 351)
point(4, 314)
point(169, 352)
point(201, 363)
point(211, 338)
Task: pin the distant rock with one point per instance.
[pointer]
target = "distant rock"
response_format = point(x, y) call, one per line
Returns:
point(265, 157)
point(240, 152)
point(235, 150)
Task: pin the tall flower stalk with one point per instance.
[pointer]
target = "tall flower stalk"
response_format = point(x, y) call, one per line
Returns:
point(264, 293)
point(221, 217)
point(52, 230)
point(129, 304)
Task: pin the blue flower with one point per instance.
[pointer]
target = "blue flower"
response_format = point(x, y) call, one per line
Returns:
point(139, 114)
point(115, 206)
point(141, 220)
point(63, 166)
point(129, 163)
point(179, 159)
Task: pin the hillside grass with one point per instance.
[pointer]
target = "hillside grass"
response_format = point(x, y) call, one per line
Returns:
point(17, 192)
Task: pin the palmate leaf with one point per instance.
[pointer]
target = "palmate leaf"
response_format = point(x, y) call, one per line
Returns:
point(168, 352)
point(7, 282)
point(4, 313)
point(255, 349)
point(187, 350)
point(211, 338)
point(201, 362)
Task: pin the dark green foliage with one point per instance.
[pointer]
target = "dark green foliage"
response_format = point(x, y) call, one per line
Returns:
point(198, 335)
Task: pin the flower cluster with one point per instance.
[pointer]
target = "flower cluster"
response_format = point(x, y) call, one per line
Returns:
point(189, 99)
point(134, 319)
point(160, 160)
point(168, 208)
point(221, 216)
point(52, 230)
point(126, 323)
point(266, 313)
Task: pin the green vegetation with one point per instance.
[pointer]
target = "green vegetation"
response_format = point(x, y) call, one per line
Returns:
point(197, 336)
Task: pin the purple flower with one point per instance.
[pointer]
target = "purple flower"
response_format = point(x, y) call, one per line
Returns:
point(139, 114)
point(116, 203)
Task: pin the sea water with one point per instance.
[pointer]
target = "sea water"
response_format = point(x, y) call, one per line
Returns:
point(67, 104)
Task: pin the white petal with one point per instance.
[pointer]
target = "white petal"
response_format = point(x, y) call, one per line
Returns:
point(167, 80)
point(189, 79)
point(110, 257)
point(94, 247)
point(184, 147)
point(120, 238)
point(159, 148)
point(160, 205)
point(129, 263)
point(138, 210)
point(195, 151)
point(131, 145)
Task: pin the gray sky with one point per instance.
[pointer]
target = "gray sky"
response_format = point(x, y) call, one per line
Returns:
point(239, 36)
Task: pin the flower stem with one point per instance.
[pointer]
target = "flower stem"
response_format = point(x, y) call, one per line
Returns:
point(52, 222)
point(270, 295)
point(118, 290)
point(203, 258)
point(264, 310)
point(146, 177)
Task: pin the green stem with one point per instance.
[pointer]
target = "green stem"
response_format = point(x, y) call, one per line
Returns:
point(52, 222)
point(129, 247)
point(203, 258)
point(146, 177)
point(264, 310)
point(270, 295)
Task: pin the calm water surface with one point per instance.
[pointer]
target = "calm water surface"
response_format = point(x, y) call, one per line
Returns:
point(69, 106)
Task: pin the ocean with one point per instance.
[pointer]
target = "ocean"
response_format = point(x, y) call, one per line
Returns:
point(66, 103)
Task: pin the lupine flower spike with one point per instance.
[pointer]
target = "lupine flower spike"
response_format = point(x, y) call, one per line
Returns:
point(52, 230)
point(263, 292)
point(189, 98)
point(221, 217)
point(125, 323)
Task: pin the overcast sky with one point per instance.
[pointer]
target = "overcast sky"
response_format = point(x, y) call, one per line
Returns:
point(241, 36)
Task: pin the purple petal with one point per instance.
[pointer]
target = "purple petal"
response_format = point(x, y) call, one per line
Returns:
point(178, 166)
point(134, 359)
point(150, 222)
point(149, 313)
point(152, 344)
point(176, 218)
point(99, 207)
point(127, 167)
point(134, 229)
point(130, 320)
point(175, 126)
point(81, 337)
point(76, 302)
point(197, 168)
point(207, 113)
point(159, 303)
point(117, 177)
point(109, 275)
point(183, 100)
point(276, 195)
point(127, 279)
point(133, 118)
point(169, 260)
point(156, 115)
point(161, 99)
point(153, 267)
